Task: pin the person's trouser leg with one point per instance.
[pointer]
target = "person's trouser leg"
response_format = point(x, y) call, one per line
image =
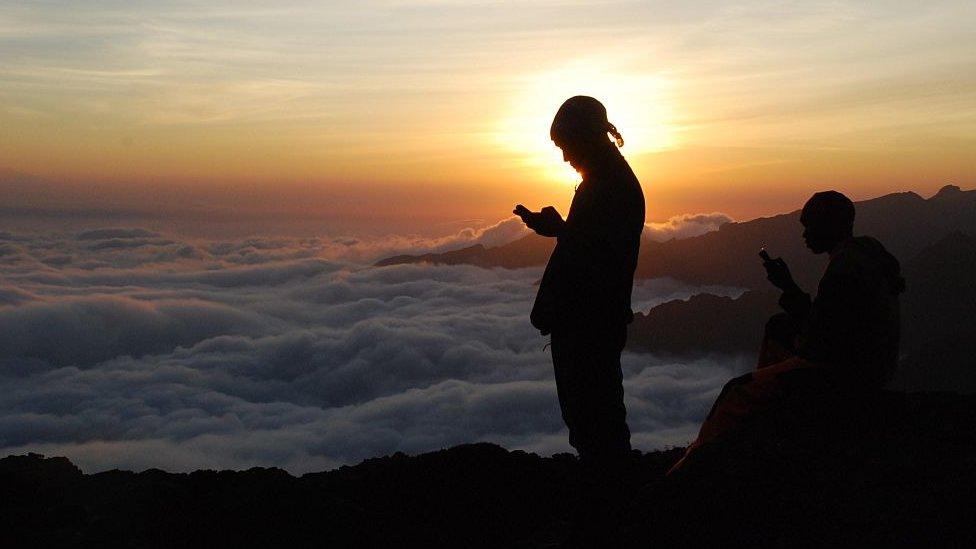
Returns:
point(589, 382)
point(745, 399)
point(779, 340)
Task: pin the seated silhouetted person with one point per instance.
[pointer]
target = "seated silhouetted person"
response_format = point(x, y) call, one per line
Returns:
point(838, 347)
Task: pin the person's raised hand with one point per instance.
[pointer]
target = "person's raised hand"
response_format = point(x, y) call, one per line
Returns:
point(779, 274)
point(547, 222)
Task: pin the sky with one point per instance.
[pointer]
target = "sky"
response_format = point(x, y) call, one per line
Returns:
point(428, 116)
point(192, 195)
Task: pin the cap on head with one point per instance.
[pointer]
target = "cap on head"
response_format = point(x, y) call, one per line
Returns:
point(583, 117)
point(829, 209)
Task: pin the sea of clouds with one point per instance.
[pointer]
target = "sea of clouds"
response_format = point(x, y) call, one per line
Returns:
point(123, 347)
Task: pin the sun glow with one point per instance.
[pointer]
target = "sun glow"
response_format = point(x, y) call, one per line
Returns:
point(636, 104)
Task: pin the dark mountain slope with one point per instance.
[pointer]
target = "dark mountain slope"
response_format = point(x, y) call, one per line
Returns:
point(938, 332)
point(904, 222)
point(939, 320)
point(704, 324)
point(903, 473)
point(524, 252)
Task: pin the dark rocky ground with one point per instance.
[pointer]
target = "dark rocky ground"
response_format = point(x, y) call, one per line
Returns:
point(899, 471)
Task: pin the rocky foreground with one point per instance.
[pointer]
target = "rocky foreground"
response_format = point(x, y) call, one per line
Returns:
point(903, 473)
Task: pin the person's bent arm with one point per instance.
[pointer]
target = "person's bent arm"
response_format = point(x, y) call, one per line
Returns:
point(547, 222)
point(794, 301)
point(834, 319)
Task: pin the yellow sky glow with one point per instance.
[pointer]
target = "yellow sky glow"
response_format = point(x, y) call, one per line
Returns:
point(634, 101)
point(442, 109)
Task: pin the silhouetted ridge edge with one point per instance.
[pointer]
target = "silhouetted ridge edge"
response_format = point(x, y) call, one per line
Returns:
point(905, 477)
point(904, 221)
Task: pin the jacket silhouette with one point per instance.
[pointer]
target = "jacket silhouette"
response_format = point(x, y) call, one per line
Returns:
point(853, 324)
point(590, 274)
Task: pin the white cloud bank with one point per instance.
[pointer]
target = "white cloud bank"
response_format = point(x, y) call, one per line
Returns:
point(685, 226)
point(126, 348)
point(370, 249)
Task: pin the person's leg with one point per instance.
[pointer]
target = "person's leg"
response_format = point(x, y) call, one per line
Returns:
point(590, 386)
point(589, 383)
point(729, 386)
point(566, 367)
point(779, 340)
point(606, 414)
point(746, 399)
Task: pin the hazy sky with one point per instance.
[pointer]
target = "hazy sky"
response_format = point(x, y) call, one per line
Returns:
point(426, 113)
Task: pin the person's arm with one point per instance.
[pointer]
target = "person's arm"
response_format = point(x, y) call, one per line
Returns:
point(547, 222)
point(832, 327)
point(794, 301)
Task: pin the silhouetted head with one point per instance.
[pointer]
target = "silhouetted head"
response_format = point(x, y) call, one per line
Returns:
point(580, 129)
point(828, 220)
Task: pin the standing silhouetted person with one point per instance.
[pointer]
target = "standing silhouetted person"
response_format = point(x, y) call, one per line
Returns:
point(583, 300)
point(838, 347)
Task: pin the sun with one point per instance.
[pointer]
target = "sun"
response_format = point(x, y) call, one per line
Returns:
point(636, 104)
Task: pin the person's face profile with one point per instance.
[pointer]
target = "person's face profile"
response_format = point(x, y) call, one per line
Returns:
point(819, 237)
point(571, 153)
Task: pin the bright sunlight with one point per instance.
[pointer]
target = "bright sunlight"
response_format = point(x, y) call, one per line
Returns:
point(636, 103)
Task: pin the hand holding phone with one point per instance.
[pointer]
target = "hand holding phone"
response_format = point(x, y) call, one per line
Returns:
point(521, 211)
point(548, 222)
point(777, 272)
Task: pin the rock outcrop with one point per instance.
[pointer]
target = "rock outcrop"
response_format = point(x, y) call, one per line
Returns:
point(901, 473)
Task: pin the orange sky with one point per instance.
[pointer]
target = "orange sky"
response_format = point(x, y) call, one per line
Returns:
point(420, 110)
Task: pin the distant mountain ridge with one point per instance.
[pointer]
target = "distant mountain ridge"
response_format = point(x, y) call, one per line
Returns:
point(904, 222)
point(938, 344)
point(938, 307)
point(524, 252)
point(704, 324)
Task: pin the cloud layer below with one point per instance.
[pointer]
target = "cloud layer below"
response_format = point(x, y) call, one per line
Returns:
point(132, 349)
point(685, 226)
